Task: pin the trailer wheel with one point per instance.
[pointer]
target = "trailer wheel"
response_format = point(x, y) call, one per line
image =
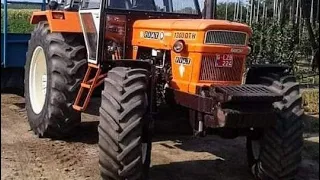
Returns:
point(54, 68)
point(124, 134)
point(277, 154)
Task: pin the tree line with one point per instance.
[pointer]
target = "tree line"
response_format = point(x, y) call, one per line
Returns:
point(285, 31)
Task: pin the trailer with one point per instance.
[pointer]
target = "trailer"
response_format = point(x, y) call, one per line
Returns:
point(13, 50)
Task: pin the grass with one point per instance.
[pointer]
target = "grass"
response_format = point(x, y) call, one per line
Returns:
point(18, 20)
point(311, 100)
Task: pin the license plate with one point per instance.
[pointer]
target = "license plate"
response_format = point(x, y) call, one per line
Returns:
point(224, 60)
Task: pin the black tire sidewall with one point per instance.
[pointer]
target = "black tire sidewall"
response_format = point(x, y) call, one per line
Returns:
point(38, 38)
point(147, 134)
point(257, 165)
point(123, 89)
point(255, 136)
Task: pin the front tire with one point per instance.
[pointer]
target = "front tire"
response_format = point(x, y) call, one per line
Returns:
point(55, 66)
point(277, 155)
point(124, 133)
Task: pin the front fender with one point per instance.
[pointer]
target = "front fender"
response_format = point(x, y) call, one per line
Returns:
point(256, 71)
point(145, 64)
point(59, 21)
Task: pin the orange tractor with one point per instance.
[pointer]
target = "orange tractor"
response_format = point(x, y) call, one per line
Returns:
point(145, 53)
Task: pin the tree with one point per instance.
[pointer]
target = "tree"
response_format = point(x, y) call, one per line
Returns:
point(306, 6)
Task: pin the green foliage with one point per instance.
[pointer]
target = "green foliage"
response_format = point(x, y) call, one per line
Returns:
point(280, 41)
point(287, 44)
point(221, 10)
point(311, 101)
point(273, 43)
point(309, 79)
point(22, 6)
point(18, 20)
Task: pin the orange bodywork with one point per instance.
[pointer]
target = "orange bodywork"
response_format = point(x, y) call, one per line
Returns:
point(59, 21)
point(193, 32)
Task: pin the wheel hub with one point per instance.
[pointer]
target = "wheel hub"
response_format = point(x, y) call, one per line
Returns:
point(38, 80)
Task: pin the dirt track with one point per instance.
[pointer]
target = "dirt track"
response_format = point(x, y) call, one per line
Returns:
point(23, 156)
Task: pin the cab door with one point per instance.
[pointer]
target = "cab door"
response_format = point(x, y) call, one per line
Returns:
point(92, 19)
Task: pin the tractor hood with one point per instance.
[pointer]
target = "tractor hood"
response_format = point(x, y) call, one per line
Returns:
point(163, 33)
point(191, 25)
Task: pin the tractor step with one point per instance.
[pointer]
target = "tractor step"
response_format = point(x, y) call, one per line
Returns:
point(88, 84)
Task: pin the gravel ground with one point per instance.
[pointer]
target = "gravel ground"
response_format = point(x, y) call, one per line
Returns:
point(174, 157)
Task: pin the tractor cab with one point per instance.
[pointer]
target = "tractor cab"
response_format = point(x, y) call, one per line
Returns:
point(109, 23)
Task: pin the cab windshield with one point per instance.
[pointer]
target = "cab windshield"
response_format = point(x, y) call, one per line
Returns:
point(169, 6)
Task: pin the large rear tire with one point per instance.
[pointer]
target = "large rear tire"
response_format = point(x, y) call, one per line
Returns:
point(124, 133)
point(54, 68)
point(277, 155)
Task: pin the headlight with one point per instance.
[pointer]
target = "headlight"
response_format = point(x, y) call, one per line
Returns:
point(178, 46)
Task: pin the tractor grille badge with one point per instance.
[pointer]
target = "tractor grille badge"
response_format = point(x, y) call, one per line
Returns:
point(152, 35)
point(182, 61)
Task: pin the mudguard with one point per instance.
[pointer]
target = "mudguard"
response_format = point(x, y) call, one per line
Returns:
point(59, 21)
point(256, 71)
point(146, 64)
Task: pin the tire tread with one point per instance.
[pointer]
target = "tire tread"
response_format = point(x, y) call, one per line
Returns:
point(122, 110)
point(282, 145)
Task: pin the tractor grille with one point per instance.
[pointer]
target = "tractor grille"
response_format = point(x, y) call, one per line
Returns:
point(211, 73)
point(226, 37)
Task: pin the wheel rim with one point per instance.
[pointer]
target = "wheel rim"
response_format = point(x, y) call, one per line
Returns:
point(38, 80)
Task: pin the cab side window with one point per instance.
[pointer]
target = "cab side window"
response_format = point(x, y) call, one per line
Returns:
point(160, 6)
point(147, 5)
point(91, 4)
point(120, 4)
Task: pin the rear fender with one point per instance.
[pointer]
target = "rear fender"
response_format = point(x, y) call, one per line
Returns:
point(256, 71)
point(59, 21)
